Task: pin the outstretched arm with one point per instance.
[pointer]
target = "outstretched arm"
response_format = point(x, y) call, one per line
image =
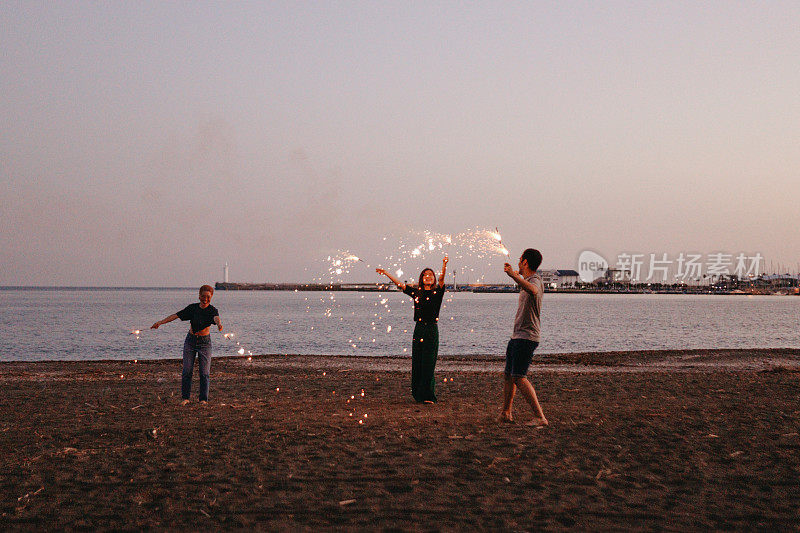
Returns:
point(218, 322)
point(444, 271)
point(524, 284)
point(170, 318)
point(400, 284)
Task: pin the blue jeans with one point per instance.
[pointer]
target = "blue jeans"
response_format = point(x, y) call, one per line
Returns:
point(200, 347)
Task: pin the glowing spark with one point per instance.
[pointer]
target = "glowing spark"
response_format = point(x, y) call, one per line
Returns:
point(502, 249)
point(399, 272)
point(241, 351)
point(388, 329)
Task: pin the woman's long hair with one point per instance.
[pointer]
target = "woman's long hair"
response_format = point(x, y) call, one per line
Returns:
point(421, 286)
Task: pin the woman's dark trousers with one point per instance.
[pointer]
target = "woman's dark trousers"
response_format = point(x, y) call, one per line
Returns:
point(424, 351)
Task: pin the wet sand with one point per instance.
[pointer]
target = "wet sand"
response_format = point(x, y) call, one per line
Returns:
point(645, 440)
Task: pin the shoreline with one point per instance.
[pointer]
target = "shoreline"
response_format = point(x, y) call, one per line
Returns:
point(378, 287)
point(601, 361)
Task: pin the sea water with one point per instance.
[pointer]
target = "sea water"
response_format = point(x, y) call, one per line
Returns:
point(91, 324)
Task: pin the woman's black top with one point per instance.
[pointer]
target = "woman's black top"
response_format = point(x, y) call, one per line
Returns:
point(200, 318)
point(426, 303)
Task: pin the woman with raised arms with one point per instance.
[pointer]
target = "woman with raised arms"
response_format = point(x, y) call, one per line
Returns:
point(427, 296)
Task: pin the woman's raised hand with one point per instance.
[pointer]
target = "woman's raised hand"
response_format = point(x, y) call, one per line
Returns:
point(380, 271)
point(445, 260)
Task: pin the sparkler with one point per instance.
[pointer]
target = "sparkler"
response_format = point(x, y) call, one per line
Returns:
point(503, 249)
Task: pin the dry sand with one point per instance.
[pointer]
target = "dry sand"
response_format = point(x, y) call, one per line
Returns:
point(647, 440)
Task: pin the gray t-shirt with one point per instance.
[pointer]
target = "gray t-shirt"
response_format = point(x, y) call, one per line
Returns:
point(526, 323)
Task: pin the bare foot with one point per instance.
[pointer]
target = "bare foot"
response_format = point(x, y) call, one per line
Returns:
point(428, 401)
point(203, 402)
point(185, 402)
point(538, 423)
point(506, 418)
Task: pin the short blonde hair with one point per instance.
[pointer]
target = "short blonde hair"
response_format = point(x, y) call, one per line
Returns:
point(207, 288)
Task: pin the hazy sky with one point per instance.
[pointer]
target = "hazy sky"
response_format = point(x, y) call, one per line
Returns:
point(146, 143)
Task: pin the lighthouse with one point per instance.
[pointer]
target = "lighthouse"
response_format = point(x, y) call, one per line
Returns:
point(225, 272)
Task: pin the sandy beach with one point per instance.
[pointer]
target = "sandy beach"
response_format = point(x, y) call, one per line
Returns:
point(638, 440)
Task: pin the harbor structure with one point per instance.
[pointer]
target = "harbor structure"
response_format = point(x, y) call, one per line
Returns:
point(557, 279)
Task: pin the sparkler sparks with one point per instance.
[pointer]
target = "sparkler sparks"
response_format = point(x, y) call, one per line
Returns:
point(473, 253)
point(471, 245)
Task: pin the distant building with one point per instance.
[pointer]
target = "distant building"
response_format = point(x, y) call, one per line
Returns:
point(556, 279)
point(776, 281)
point(613, 275)
point(568, 278)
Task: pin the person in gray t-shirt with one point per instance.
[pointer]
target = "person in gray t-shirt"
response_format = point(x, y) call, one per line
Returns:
point(525, 338)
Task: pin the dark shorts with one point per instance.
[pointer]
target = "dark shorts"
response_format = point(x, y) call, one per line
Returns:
point(519, 355)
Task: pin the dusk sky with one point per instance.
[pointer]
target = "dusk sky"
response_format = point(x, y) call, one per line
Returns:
point(147, 143)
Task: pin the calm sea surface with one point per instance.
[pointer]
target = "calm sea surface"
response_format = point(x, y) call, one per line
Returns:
point(97, 324)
